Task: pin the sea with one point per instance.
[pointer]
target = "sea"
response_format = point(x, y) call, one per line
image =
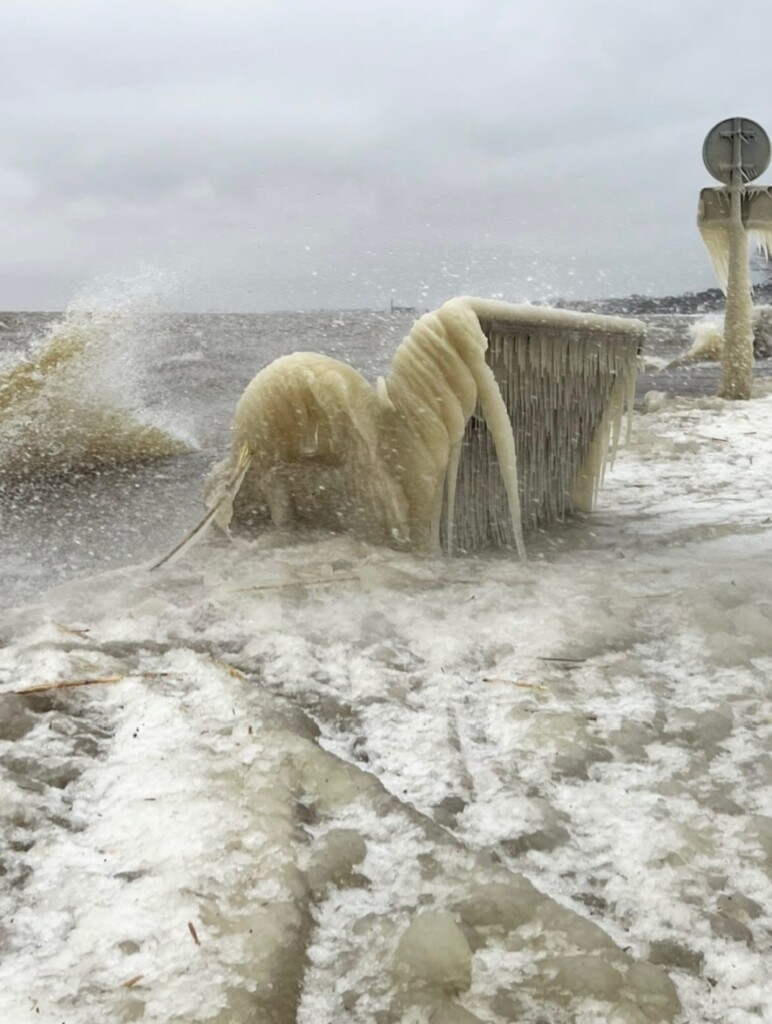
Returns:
point(178, 373)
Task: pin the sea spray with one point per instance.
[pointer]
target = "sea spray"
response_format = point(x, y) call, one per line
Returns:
point(77, 402)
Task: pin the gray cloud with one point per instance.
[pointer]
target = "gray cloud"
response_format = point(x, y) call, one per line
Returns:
point(298, 154)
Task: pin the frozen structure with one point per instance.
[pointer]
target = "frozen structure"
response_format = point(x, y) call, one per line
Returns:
point(438, 377)
point(475, 389)
point(306, 446)
point(566, 379)
point(725, 217)
point(713, 220)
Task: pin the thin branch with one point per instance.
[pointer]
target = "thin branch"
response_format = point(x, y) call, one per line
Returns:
point(516, 682)
point(68, 684)
point(72, 630)
point(287, 584)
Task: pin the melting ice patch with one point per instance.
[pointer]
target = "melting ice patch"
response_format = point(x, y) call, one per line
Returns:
point(286, 763)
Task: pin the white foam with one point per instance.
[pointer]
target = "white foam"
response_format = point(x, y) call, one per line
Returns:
point(417, 704)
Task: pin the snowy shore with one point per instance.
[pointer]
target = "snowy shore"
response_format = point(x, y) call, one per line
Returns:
point(295, 756)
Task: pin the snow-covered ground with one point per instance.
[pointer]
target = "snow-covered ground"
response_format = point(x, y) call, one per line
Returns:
point(316, 781)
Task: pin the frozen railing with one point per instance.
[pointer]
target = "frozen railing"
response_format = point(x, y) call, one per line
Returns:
point(566, 379)
point(508, 407)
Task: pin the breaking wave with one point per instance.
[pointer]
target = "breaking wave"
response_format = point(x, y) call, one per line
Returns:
point(75, 401)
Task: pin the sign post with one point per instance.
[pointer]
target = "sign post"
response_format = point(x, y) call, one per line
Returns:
point(735, 151)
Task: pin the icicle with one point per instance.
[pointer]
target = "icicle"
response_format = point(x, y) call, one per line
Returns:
point(762, 239)
point(452, 480)
point(501, 428)
point(716, 239)
point(630, 402)
point(712, 224)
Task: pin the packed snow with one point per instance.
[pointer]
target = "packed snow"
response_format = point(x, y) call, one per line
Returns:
point(308, 779)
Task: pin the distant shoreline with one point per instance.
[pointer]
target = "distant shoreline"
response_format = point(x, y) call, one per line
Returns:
point(709, 301)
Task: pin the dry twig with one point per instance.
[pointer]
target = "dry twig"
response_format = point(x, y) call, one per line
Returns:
point(287, 584)
point(67, 684)
point(72, 630)
point(236, 673)
point(515, 682)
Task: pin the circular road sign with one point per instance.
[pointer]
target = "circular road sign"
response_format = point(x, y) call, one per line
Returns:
point(719, 154)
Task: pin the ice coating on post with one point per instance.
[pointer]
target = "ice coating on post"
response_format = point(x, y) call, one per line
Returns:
point(726, 241)
point(735, 151)
point(720, 221)
point(737, 359)
point(713, 216)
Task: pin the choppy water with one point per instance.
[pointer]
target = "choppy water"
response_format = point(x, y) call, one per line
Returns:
point(182, 373)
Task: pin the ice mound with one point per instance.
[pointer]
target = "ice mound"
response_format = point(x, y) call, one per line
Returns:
point(314, 443)
point(309, 841)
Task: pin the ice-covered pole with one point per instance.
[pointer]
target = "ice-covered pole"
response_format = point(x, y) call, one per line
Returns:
point(737, 357)
point(735, 151)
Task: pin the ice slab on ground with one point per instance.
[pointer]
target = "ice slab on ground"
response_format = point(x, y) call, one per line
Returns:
point(317, 781)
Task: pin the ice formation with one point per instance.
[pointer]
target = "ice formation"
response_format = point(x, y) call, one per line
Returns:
point(725, 218)
point(314, 444)
point(567, 379)
point(329, 759)
point(437, 377)
point(321, 446)
point(713, 222)
point(434, 952)
point(306, 444)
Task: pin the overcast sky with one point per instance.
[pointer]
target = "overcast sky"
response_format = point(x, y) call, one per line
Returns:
point(296, 154)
